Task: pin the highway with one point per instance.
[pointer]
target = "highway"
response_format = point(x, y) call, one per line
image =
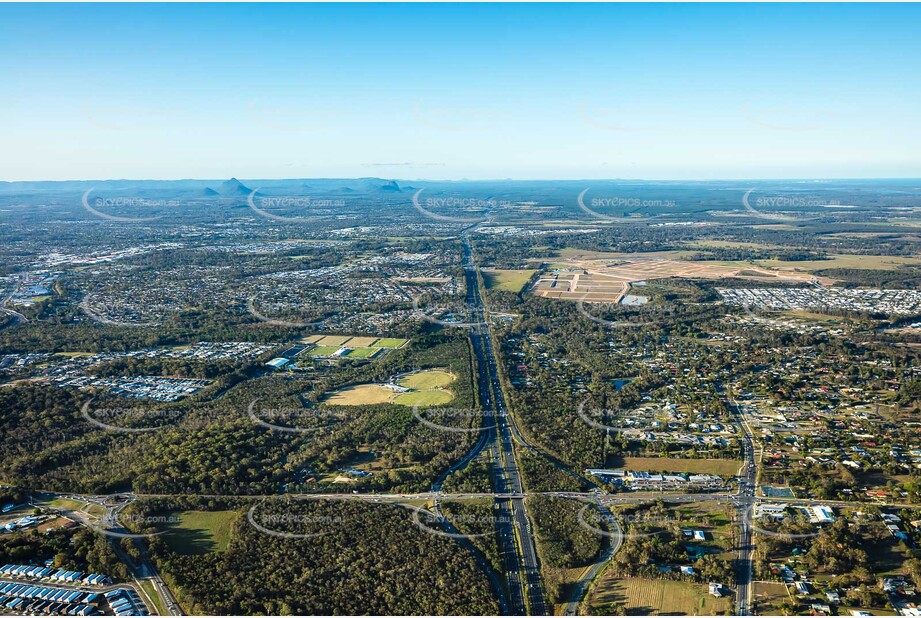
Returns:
point(18, 318)
point(745, 502)
point(517, 542)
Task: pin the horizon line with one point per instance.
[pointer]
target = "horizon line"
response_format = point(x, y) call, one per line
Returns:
point(448, 180)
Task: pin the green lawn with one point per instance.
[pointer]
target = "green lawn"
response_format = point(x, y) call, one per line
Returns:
point(199, 532)
point(363, 352)
point(424, 398)
point(323, 350)
point(425, 380)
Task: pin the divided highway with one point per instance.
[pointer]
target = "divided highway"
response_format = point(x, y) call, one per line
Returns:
point(516, 537)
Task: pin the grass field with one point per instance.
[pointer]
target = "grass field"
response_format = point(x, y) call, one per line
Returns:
point(427, 390)
point(324, 350)
point(720, 467)
point(730, 244)
point(424, 398)
point(334, 340)
point(389, 342)
point(865, 262)
point(426, 380)
point(199, 532)
point(769, 596)
point(507, 280)
point(65, 503)
point(361, 395)
point(364, 353)
point(361, 342)
point(647, 597)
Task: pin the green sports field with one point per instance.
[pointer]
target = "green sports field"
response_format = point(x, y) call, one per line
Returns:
point(426, 380)
point(324, 350)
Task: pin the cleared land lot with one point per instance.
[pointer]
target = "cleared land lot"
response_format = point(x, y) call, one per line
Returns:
point(507, 280)
point(607, 280)
point(648, 597)
point(721, 467)
point(199, 532)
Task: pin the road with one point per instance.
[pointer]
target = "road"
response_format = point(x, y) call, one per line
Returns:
point(18, 318)
point(145, 570)
point(745, 501)
point(613, 545)
point(516, 537)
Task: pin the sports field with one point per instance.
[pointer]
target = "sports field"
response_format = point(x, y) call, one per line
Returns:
point(361, 395)
point(426, 380)
point(334, 340)
point(324, 350)
point(362, 342)
point(363, 353)
point(424, 398)
point(650, 597)
point(199, 532)
point(361, 347)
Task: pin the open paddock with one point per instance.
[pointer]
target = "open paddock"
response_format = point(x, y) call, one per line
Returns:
point(651, 597)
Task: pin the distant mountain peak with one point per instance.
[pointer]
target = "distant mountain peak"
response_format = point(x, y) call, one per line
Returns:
point(234, 187)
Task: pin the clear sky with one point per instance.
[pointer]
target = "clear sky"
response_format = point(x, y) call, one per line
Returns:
point(460, 91)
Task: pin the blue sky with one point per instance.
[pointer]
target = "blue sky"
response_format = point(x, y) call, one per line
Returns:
point(460, 91)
